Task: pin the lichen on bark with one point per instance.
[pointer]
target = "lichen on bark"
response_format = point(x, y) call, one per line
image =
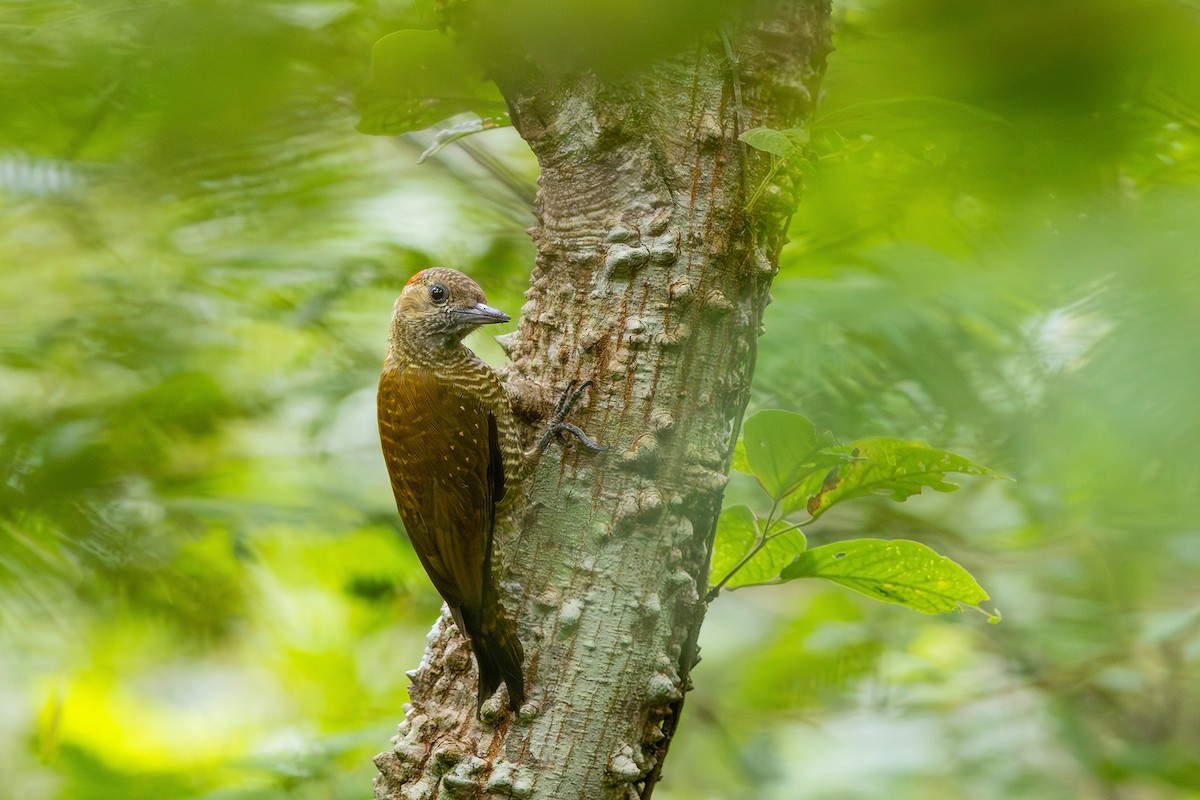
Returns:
point(651, 278)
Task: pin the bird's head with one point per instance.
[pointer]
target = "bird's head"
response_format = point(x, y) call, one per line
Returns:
point(438, 307)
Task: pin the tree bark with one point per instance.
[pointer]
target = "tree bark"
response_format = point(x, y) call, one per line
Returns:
point(658, 235)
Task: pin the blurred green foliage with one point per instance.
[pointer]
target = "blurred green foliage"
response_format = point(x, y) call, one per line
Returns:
point(203, 592)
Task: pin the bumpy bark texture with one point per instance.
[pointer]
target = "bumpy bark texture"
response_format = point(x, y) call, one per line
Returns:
point(652, 274)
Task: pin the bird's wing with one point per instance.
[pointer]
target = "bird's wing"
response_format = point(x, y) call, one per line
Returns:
point(442, 452)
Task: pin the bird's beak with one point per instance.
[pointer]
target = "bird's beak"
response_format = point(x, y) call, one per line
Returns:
point(480, 314)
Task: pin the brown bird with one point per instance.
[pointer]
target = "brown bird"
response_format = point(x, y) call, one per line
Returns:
point(454, 453)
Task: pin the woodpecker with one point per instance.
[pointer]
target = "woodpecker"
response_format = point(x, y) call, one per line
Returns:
point(453, 452)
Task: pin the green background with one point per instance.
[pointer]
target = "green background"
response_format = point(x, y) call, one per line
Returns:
point(204, 592)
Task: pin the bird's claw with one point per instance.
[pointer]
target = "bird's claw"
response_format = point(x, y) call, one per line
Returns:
point(559, 425)
point(567, 400)
point(588, 443)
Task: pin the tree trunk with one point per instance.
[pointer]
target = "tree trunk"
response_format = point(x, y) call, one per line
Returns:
point(657, 242)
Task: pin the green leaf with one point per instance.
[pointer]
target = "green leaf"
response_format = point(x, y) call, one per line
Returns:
point(782, 449)
point(769, 562)
point(885, 466)
point(740, 462)
point(737, 533)
point(419, 78)
point(897, 571)
point(787, 144)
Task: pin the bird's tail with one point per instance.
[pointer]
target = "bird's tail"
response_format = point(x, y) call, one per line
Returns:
point(498, 651)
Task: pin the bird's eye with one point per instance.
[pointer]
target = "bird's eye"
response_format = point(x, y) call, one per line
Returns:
point(438, 293)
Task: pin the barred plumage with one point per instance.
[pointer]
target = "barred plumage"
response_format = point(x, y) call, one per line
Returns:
point(453, 453)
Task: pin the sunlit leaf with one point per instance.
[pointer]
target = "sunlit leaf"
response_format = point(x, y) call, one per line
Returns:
point(737, 533)
point(885, 466)
point(897, 571)
point(740, 462)
point(783, 448)
point(419, 78)
point(769, 562)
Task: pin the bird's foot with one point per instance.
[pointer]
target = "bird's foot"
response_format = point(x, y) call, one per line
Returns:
point(559, 426)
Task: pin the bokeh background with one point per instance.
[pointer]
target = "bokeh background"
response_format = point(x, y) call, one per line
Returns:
point(204, 589)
